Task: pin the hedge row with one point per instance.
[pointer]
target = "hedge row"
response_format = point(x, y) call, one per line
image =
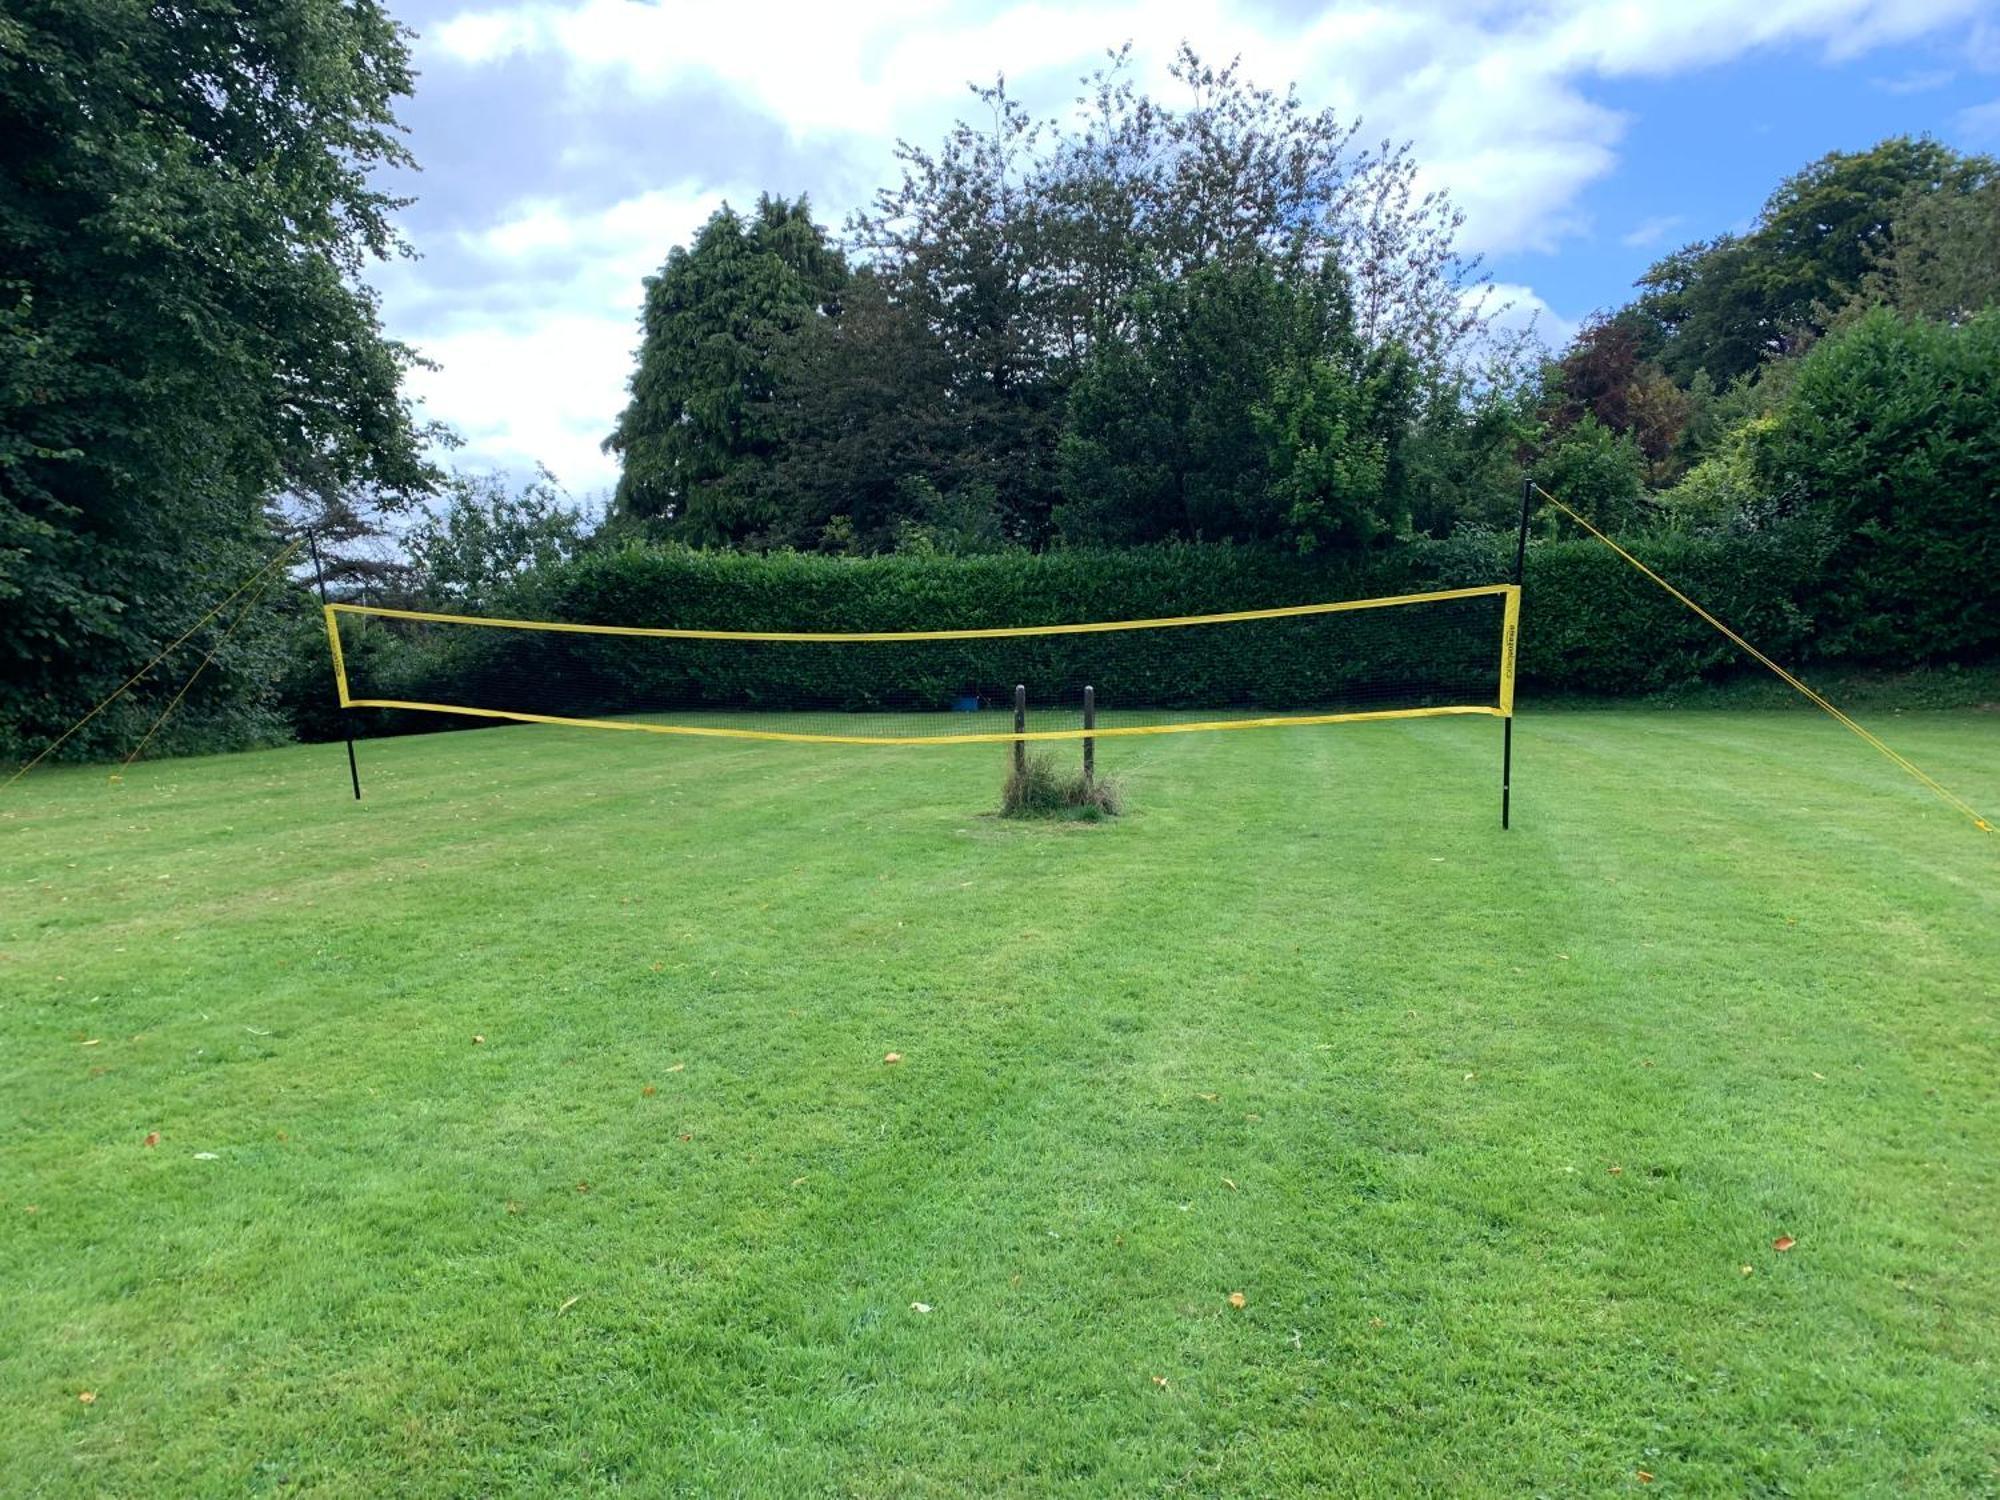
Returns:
point(1591, 625)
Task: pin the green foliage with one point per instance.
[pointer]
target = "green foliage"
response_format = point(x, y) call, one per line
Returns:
point(1591, 625)
point(486, 536)
point(185, 204)
point(1890, 440)
point(1241, 405)
point(1722, 486)
point(1463, 453)
point(1066, 325)
point(1727, 305)
point(1334, 434)
point(1042, 788)
point(1596, 470)
point(696, 438)
point(1603, 375)
point(964, 523)
point(1943, 259)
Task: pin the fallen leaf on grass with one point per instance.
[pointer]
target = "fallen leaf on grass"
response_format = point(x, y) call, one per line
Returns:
point(569, 1304)
point(1237, 1299)
point(647, 1092)
point(88, 1398)
point(96, 1041)
point(152, 1137)
point(1160, 1381)
point(920, 1307)
point(1783, 1242)
point(892, 1057)
point(1617, 1171)
point(686, 1136)
point(33, 1209)
point(677, 1067)
point(797, 1180)
point(1228, 1184)
point(477, 1039)
point(1643, 1476)
point(1209, 1098)
point(206, 1156)
point(583, 1187)
point(1746, 1270)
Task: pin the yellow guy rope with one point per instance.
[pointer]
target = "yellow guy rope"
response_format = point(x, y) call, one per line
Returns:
point(1943, 793)
point(172, 647)
point(250, 604)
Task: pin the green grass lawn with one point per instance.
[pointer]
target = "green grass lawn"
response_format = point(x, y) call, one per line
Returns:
point(1492, 1132)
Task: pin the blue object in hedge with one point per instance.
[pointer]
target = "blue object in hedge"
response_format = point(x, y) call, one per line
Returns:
point(965, 703)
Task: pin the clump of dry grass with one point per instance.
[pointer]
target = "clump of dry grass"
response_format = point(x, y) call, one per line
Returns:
point(1039, 789)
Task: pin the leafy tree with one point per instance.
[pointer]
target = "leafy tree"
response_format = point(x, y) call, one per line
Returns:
point(1463, 452)
point(1595, 471)
point(1823, 228)
point(1034, 249)
point(1179, 429)
point(1943, 260)
point(697, 439)
point(1727, 305)
point(487, 536)
point(1335, 440)
point(1603, 374)
point(1891, 438)
point(185, 203)
point(862, 414)
point(1704, 312)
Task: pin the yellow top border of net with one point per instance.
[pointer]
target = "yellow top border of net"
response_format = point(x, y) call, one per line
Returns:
point(1496, 590)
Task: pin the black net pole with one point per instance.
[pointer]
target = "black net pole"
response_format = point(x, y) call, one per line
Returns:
point(1507, 724)
point(319, 576)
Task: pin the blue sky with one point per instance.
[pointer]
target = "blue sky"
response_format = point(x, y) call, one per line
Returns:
point(566, 145)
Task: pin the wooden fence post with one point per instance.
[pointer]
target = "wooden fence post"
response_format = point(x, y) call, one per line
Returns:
point(1020, 728)
point(1089, 740)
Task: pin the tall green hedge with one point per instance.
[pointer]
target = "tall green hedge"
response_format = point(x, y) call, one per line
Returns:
point(1591, 624)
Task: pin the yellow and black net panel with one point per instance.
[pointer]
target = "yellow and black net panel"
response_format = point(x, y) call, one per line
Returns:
point(1415, 655)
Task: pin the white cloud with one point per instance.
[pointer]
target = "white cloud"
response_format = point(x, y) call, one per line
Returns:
point(1650, 232)
point(1522, 308)
point(542, 390)
point(529, 378)
point(1980, 124)
point(1493, 97)
point(1917, 81)
point(1497, 99)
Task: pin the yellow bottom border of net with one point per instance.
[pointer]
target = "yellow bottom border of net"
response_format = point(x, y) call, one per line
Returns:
point(706, 731)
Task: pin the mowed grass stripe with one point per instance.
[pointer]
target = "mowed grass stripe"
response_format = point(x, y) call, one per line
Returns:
point(1448, 1286)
